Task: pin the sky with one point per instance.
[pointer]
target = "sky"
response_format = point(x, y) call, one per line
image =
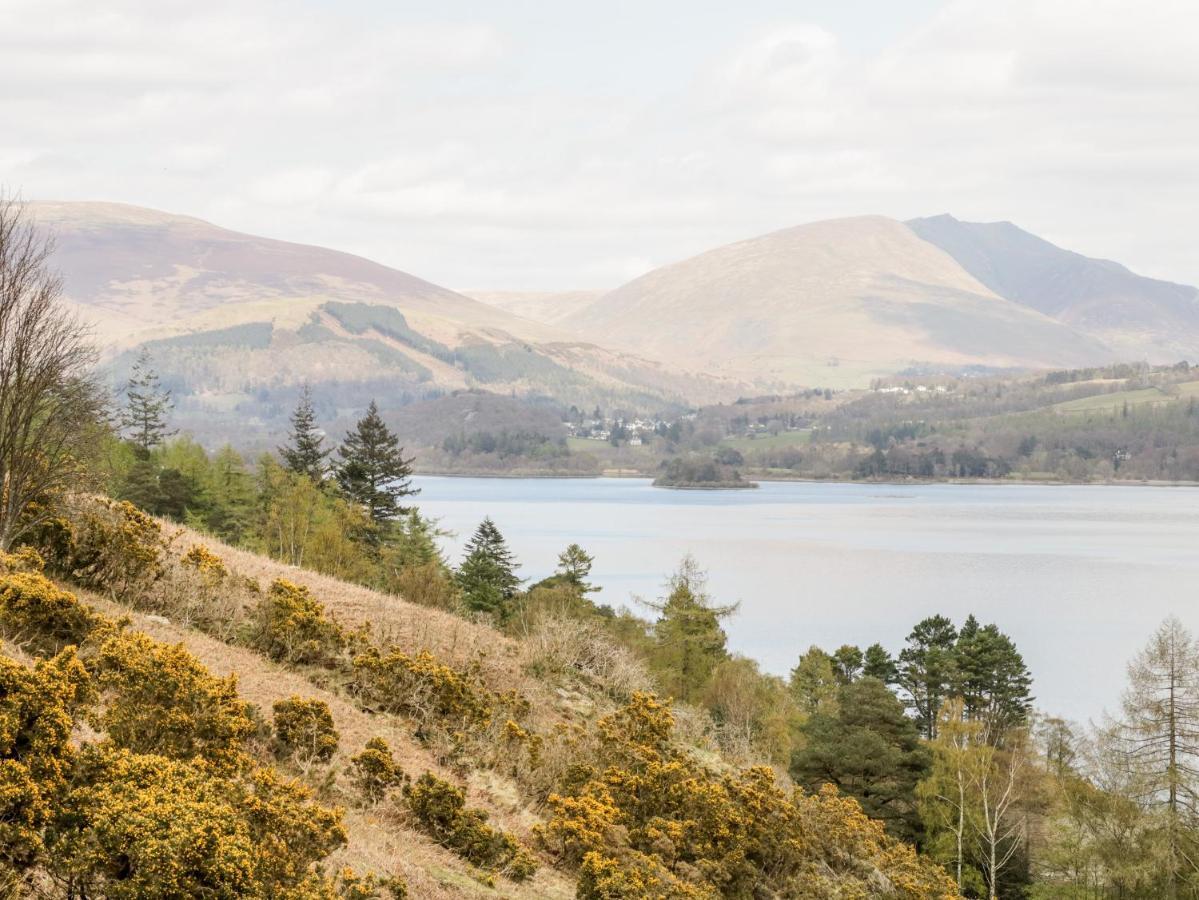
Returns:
point(560, 145)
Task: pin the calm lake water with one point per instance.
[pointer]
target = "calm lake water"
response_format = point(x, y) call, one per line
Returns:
point(1078, 576)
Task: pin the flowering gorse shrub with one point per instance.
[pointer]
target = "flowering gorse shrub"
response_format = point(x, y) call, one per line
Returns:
point(375, 771)
point(290, 625)
point(304, 729)
point(439, 809)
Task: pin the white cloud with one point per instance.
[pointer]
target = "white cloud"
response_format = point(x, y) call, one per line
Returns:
point(494, 151)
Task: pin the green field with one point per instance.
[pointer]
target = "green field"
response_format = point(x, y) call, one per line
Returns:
point(1115, 401)
point(769, 441)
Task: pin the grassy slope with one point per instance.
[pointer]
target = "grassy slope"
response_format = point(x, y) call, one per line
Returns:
point(379, 841)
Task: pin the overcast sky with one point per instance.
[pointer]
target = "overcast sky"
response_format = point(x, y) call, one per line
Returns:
point(560, 144)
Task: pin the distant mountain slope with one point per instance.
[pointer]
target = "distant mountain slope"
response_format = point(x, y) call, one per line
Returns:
point(237, 323)
point(835, 302)
point(547, 307)
point(1138, 317)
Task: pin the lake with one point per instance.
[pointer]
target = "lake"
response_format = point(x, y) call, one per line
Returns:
point(1078, 576)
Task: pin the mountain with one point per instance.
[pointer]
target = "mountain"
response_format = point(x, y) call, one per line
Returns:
point(547, 307)
point(236, 323)
point(1138, 317)
point(830, 303)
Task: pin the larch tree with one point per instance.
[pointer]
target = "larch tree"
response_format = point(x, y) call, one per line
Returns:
point(147, 406)
point(1159, 740)
point(52, 411)
point(688, 640)
point(372, 470)
point(305, 452)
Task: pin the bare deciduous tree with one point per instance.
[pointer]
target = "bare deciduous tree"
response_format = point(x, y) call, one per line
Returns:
point(51, 409)
point(1159, 739)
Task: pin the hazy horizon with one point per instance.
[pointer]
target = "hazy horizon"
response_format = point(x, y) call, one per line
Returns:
point(512, 147)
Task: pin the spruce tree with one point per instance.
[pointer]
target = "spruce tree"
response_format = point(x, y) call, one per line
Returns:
point(372, 470)
point(487, 576)
point(147, 406)
point(305, 453)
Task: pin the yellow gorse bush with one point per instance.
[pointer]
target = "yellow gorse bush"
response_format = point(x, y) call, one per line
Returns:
point(304, 729)
point(292, 626)
point(439, 809)
point(645, 816)
point(375, 770)
point(158, 698)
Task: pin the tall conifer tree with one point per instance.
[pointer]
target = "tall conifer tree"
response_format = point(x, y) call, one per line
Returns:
point(305, 453)
point(372, 470)
point(487, 576)
point(147, 406)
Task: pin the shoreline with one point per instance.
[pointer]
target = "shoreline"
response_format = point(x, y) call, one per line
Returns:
point(996, 482)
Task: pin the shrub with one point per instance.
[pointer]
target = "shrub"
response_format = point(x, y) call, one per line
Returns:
point(37, 712)
point(439, 809)
point(421, 687)
point(634, 876)
point(108, 546)
point(304, 729)
point(375, 770)
point(204, 561)
point(140, 825)
point(640, 808)
point(290, 625)
point(160, 699)
point(34, 610)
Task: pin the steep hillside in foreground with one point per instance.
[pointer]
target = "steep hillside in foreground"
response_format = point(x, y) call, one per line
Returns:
point(528, 764)
point(1139, 318)
point(237, 322)
point(831, 303)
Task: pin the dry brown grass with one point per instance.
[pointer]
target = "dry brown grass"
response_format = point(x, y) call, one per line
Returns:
point(392, 619)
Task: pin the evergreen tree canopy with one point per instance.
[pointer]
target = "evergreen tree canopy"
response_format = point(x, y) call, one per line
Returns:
point(487, 576)
point(877, 663)
point(373, 471)
point(847, 663)
point(147, 406)
point(305, 453)
point(927, 670)
point(991, 679)
point(870, 750)
point(688, 640)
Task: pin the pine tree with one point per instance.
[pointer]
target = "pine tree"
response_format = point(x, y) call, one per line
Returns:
point(574, 566)
point(147, 406)
point(991, 678)
point(305, 454)
point(373, 471)
point(877, 663)
point(869, 750)
point(926, 670)
point(487, 576)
